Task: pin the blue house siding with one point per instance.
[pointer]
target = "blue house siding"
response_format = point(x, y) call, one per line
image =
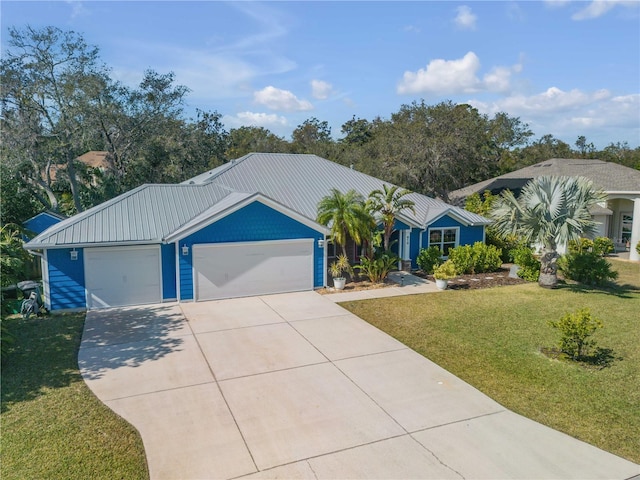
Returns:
point(255, 222)
point(168, 253)
point(40, 222)
point(414, 249)
point(468, 234)
point(66, 279)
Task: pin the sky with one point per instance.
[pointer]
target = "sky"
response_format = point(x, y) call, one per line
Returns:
point(566, 68)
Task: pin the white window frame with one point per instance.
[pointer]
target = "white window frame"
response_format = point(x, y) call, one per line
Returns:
point(440, 245)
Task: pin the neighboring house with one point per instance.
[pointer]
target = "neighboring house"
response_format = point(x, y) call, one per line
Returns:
point(95, 160)
point(616, 215)
point(40, 222)
point(245, 228)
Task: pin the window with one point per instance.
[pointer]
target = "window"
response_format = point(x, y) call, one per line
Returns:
point(445, 238)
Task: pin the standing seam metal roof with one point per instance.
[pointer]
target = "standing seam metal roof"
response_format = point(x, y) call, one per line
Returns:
point(150, 213)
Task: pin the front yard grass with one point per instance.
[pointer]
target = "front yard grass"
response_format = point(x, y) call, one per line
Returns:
point(492, 339)
point(52, 425)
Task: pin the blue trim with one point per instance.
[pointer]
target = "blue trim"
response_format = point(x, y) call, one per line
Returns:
point(254, 222)
point(168, 253)
point(66, 279)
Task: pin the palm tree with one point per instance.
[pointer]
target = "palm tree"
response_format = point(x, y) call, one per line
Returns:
point(346, 215)
point(389, 202)
point(549, 211)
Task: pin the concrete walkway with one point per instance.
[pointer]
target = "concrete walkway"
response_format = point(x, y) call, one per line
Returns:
point(294, 386)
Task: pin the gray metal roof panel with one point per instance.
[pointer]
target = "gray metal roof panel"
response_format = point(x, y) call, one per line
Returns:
point(147, 213)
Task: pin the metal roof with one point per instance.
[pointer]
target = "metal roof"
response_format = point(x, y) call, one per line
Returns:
point(153, 213)
point(301, 181)
point(610, 177)
point(145, 214)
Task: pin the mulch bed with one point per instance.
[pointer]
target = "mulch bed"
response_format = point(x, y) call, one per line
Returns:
point(461, 282)
point(479, 280)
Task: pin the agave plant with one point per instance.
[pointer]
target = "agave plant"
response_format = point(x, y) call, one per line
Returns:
point(549, 211)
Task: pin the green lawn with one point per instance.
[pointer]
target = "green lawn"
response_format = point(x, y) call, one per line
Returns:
point(52, 425)
point(492, 338)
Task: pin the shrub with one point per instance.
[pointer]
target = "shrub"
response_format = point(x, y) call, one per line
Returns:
point(377, 268)
point(504, 243)
point(638, 248)
point(446, 271)
point(528, 263)
point(429, 258)
point(580, 245)
point(575, 329)
point(479, 258)
point(599, 245)
point(588, 268)
point(602, 246)
point(340, 266)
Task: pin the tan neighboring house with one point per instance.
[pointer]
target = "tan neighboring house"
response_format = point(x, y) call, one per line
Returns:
point(93, 159)
point(621, 184)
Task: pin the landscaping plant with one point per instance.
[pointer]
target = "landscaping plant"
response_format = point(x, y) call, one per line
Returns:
point(446, 271)
point(340, 266)
point(576, 328)
point(479, 258)
point(378, 266)
point(602, 246)
point(549, 211)
point(429, 258)
point(528, 263)
point(588, 268)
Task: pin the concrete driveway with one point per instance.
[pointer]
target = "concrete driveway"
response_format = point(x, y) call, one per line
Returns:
point(294, 386)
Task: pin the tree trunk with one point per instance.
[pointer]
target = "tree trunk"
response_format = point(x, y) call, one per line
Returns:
point(549, 267)
point(73, 182)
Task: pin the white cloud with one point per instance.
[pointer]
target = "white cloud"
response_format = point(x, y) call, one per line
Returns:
point(282, 100)
point(457, 76)
point(321, 90)
point(566, 114)
point(78, 9)
point(255, 119)
point(465, 18)
point(595, 8)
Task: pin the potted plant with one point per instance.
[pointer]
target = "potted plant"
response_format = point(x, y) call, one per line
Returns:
point(337, 270)
point(443, 273)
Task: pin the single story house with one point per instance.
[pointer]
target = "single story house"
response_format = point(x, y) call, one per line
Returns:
point(245, 228)
point(619, 215)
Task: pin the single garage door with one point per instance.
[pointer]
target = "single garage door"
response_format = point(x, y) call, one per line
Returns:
point(120, 276)
point(229, 270)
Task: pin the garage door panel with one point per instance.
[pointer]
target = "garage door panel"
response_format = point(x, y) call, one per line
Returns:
point(121, 276)
point(243, 269)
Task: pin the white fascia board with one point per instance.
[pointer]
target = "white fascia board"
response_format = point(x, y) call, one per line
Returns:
point(193, 227)
point(50, 246)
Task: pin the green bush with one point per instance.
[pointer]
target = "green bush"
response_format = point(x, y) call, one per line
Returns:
point(446, 271)
point(429, 258)
point(377, 268)
point(602, 246)
point(638, 248)
point(479, 258)
point(576, 328)
point(588, 268)
point(504, 243)
point(528, 263)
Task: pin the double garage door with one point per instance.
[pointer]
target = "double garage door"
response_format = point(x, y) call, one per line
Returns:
point(121, 276)
point(228, 270)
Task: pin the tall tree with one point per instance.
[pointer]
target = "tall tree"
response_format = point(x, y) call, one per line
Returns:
point(312, 136)
point(388, 203)
point(549, 211)
point(245, 140)
point(51, 82)
point(346, 216)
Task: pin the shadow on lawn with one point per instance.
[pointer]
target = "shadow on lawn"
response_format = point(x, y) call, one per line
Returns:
point(46, 351)
point(600, 358)
point(621, 291)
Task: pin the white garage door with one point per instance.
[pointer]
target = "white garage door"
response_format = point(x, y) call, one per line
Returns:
point(120, 276)
point(255, 268)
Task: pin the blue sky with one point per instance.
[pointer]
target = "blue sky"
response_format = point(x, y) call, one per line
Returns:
point(565, 68)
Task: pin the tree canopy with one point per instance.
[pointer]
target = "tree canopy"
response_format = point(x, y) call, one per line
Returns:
point(59, 100)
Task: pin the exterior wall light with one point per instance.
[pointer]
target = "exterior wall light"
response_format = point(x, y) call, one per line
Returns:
point(74, 254)
point(320, 243)
point(185, 249)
